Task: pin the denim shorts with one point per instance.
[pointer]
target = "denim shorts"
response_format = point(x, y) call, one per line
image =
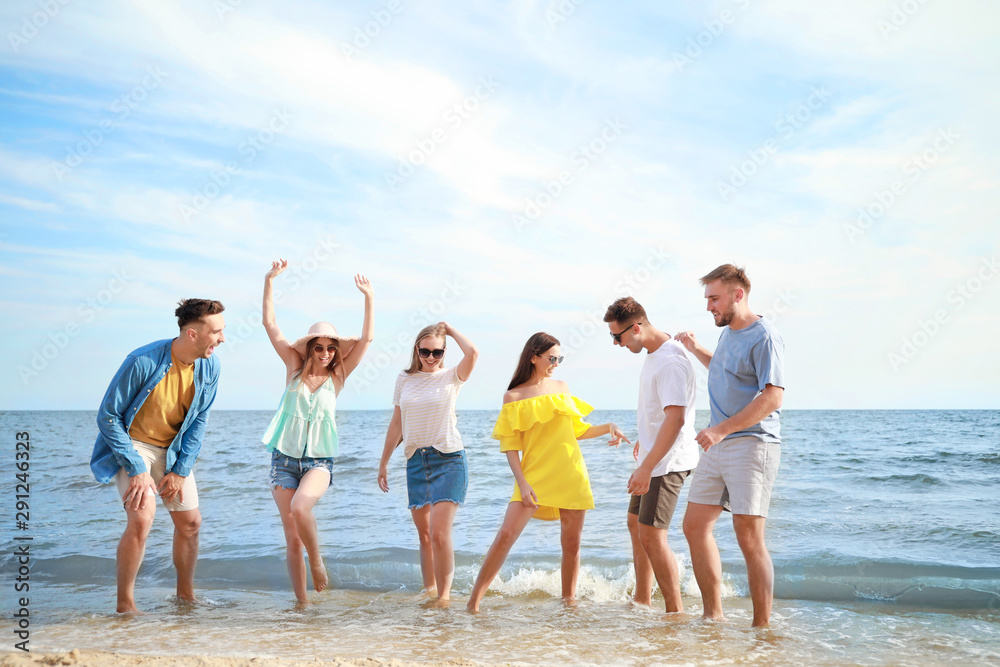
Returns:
point(286, 471)
point(433, 477)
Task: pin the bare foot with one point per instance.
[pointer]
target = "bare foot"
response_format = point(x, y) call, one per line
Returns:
point(472, 607)
point(442, 603)
point(320, 578)
point(637, 603)
point(128, 608)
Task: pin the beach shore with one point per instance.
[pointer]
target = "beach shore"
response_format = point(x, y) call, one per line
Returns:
point(106, 659)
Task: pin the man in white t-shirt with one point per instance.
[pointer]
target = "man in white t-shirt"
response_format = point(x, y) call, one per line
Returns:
point(666, 448)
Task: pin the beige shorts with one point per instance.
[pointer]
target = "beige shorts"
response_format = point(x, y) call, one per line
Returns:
point(738, 474)
point(155, 459)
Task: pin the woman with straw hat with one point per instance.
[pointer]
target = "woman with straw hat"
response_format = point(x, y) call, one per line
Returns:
point(302, 436)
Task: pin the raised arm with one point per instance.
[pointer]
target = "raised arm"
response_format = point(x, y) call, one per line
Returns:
point(393, 436)
point(691, 344)
point(357, 352)
point(471, 352)
point(278, 342)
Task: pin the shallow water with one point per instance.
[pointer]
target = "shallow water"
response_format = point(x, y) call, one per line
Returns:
point(883, 528)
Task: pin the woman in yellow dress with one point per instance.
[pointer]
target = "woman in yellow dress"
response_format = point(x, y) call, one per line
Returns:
point(539, 426)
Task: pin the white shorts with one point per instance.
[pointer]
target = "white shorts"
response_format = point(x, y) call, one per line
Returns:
point(738, 474)
point(155, 459)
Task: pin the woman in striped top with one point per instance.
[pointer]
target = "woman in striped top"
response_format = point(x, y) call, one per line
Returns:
point(437, 472)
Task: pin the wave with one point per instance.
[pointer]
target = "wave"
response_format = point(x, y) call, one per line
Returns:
point(823, 577)
point(918, 478)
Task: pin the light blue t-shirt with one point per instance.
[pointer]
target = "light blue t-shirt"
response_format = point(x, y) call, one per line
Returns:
point(745, 361)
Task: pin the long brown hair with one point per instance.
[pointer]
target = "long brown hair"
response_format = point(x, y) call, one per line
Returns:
point(536, 345)
point(336, 365)
point(429, 330)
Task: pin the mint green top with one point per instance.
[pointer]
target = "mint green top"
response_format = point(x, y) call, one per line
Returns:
point(305, 424)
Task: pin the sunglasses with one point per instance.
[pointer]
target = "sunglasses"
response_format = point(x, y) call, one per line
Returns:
point(554, 359)
point(424, 353)
point(618, 336)
point(328, 348)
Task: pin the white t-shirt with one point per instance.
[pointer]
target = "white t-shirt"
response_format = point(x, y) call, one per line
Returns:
point(667, 378)
point(427, 404)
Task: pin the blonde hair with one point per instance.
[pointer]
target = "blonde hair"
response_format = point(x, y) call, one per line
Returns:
point(430, 330)
point(731, 276)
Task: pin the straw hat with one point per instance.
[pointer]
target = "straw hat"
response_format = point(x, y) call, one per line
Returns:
point(324, 330)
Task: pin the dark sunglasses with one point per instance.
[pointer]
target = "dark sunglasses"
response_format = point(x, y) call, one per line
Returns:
point(618, 336)
point(328, 348)
point(424, 353)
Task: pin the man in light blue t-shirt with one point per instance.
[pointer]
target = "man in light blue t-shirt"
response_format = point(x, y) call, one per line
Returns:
point(742, 444)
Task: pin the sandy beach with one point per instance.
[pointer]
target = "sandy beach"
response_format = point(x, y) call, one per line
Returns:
point(105, 659)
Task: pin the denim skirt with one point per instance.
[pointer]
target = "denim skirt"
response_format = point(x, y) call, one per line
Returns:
point(433, 477)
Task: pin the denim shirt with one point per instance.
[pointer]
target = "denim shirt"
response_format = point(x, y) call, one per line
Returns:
point(141, 371)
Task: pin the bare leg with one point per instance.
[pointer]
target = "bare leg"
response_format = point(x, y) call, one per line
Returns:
point(571, 536)
point(442, 516)
point(643, 593)
point(422, 520)
point(760, 571)
point(293, 545)
point(699, 520)
point(187, 524)
point(664, 565)
point(312, 486)
point(131, 549)
point(514, 521)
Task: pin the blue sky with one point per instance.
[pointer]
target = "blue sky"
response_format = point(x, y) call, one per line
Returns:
point(508, 167)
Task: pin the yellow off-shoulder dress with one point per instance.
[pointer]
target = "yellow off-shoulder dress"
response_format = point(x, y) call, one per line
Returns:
point(544, 429)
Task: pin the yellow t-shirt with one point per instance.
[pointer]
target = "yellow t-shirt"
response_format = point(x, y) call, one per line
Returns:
point(162, 413)
point(544, 429)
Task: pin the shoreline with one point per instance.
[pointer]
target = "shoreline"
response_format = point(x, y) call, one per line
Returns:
point(98, 658)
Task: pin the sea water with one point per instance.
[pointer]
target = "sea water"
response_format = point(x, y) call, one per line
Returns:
point(884, 529)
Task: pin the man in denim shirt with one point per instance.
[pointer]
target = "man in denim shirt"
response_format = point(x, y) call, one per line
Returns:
point(151, 424)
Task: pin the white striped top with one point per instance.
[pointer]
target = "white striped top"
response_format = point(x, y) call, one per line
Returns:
point(427, 404)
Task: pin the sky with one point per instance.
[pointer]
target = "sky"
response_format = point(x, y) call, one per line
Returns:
point(507, 167)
